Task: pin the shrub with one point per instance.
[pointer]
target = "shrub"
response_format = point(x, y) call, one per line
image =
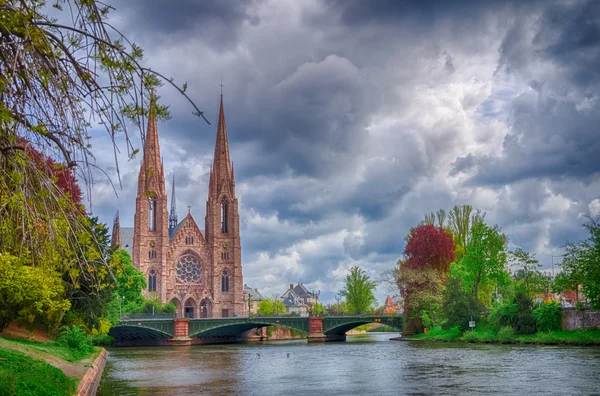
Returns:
point(102, 340)
point(74, 338)
point(506, 335)
point(470, 336)
point(548, 316)
point(579, 306)
point(524, 322)
point(458, 306)
point(503, 314)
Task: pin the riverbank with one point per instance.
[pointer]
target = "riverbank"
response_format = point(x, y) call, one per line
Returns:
point(490, 335)
point(48, 368)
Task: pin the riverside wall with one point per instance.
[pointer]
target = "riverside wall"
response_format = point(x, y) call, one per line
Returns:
point(574, 319)
point(91, 379)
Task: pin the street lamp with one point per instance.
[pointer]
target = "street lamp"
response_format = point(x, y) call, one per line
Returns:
point(557, 255)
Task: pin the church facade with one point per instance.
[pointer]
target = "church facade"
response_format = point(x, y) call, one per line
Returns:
point(199, 271)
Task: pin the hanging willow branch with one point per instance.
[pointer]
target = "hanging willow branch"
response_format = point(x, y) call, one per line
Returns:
point(59, 79)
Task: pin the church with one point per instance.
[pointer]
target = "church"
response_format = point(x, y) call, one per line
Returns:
point(200, 271)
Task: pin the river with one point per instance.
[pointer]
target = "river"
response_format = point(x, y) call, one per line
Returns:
point(362, 365)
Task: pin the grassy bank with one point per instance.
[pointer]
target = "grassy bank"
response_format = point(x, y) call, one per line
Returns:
point(54, 349)
point(24, 375)
point(490, 335)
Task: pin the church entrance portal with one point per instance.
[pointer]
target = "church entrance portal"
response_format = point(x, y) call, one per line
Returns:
point(204, 309)
point(189, 310)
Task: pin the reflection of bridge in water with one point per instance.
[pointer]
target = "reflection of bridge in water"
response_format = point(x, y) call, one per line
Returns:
point(181, 331)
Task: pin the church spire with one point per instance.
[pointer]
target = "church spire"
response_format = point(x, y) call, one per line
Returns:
point(115, 241)
point(151, 177)
point(173, 215)
point(222, 162)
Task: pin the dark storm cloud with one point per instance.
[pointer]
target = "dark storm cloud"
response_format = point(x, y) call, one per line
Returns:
point(556, 123)
point(346, 117)
point(216, 21)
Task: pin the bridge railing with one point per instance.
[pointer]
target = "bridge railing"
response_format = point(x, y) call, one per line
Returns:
point(147, 316)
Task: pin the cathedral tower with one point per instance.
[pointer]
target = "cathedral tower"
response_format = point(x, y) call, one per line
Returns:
point(151, 236)
point(222, 228)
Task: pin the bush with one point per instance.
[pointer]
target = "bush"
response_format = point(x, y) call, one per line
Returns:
point(579, 306)
point(470, 336)
point(458, 306)
point(524, 323)
point(102, 340)
point(75, 338)
point(503, 315)
point(548, 316)
point(506, 335)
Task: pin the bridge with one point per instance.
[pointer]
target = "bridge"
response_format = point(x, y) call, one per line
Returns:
point(152, 331)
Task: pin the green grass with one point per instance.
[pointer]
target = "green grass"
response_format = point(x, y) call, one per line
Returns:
point(438, 334)
point(382, 329)
point(573, 337)
point(53, 348)
point(485, 334)
point(25, 376)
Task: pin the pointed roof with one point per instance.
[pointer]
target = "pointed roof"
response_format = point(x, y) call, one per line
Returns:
point(173, 232)
point(115, 241)
point(151, 176)
point(222, 161)
point(173, 214)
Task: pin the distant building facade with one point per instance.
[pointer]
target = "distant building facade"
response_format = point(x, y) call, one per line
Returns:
point(200, 271)
point(253, 298)
point(298, 299)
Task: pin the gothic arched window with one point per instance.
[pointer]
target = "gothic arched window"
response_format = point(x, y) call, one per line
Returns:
point(224, 215)
point(225, 281)
point(152, 280)
point(151, 214)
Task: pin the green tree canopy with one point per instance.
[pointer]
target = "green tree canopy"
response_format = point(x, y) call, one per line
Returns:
point(131, 282)
point(485, 258)
point(359, 291)
point(270, 307)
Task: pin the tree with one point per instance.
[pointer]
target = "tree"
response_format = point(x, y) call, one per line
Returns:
point(485, 258)
point(422, 291)
point(131, 282)
point(520, 259)
point(318, 309)
point(429, 247)
point(359, 291)
point(30, 293)
point(458, 306)
point(271, 307)
point(427, 256)
point(581, 262)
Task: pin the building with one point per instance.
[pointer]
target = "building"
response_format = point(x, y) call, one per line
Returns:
point(253, 298)
point(200, 271)
point(298, 300)
point(391, 306)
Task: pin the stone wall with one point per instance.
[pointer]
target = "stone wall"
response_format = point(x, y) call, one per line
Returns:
point(91, 379)
point(574, 319)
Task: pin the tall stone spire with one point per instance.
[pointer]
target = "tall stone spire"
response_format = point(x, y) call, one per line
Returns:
point(173, 215)
point(151, 220)
point(151, 179)
point(221, 161)
point(115, 241)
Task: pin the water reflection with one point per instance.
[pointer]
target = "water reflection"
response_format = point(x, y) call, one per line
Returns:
point(363, 365)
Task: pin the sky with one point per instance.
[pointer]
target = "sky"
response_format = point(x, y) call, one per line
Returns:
point(349, 120)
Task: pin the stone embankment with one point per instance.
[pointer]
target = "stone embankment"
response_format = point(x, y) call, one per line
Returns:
point(91, 379)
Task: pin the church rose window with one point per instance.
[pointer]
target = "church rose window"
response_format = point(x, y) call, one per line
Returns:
point(188, 269)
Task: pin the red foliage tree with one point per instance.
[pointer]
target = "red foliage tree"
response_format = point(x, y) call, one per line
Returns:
point(65, 177)
point(429, 247)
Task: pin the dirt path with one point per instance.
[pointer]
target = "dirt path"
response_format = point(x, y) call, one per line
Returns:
point(70, 369)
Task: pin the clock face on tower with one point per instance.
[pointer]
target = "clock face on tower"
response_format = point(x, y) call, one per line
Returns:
point(152, 244)
point(225, 246)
